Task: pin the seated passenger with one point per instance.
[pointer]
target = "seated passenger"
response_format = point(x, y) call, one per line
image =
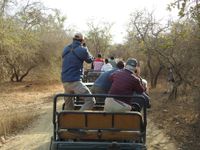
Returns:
point(98, 63)
point(144, 94)
point(107, 66)
point(113, 62)
point(124, 82)
point(103, 84)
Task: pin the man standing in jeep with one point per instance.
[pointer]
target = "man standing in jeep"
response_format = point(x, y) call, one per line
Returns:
point(72, 72)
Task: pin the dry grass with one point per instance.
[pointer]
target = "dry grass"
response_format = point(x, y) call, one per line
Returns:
point(179, 117)
point(19, 103)
point(15, 120)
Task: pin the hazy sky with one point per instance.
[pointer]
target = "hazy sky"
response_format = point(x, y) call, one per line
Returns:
point(78, 12)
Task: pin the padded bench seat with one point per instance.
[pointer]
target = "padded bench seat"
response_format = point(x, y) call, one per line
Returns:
point(102, 135)
point(100, 125)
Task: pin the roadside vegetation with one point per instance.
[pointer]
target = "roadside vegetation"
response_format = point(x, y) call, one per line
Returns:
point(14, 120)
point(32, 37)
point(22, 102)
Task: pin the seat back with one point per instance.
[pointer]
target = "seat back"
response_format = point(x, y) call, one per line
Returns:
point(100, 125)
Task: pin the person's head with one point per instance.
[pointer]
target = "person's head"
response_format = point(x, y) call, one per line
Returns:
point(99, 55)
point(78, 37)
point(132, 65)
point(170, 69)
point(106, 61)
point(120, 64)
point(112, 58)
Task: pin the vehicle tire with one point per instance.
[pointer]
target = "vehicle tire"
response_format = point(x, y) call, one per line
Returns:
point(63, 106)
point(51, 146)
point(141, 147)
point(136, 107)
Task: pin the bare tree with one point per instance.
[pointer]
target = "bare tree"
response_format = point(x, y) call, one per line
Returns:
point(176, 54)
point(99, 37)
point(189, 8)
point(4, 4)
point(146, 30)
point(31, 39)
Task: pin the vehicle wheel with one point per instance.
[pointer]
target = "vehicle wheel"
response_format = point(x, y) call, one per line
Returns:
point(136, 107)
point(51, 146)
point(141, 147)
point(63, 106)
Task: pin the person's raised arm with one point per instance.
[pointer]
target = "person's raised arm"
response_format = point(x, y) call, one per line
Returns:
point(88, 58)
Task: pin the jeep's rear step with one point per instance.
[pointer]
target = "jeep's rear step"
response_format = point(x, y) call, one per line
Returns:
point(97, 146)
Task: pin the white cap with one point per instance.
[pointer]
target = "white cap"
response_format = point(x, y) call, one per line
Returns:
point(79, 36)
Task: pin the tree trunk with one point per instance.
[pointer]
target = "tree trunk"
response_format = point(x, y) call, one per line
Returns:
point(26, 73)
point(150, 70)
point(156, 76)
point(12, 78)
point(173, 94)
point(16, 77)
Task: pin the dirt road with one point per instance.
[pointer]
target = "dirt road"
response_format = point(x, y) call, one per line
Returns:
point(37, 136)
point(157, 139)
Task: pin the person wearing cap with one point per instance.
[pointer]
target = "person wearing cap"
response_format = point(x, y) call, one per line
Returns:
point(124, 82)
point(102, 84)
point(73, 57)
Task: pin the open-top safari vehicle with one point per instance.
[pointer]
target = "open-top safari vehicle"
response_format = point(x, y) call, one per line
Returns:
point(91, 75)
point(97, 129)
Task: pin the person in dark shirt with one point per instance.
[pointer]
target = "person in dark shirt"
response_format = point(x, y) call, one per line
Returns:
point(124, 82)
point(102, 84)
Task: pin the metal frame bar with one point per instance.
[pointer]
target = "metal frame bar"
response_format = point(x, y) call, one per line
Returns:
point(100, 145)
point(55, 113)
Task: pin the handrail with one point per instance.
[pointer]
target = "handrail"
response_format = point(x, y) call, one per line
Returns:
point(97, 95)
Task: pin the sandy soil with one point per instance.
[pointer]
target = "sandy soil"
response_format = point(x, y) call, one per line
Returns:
point(37, 135)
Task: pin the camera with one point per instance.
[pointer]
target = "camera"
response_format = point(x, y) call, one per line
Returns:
point(84, 45)
point(135, 70)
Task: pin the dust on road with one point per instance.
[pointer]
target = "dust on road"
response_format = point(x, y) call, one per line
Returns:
point(37, 136)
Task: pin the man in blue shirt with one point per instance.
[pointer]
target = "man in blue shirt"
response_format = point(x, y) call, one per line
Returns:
point(73, 57)
point(102, 84)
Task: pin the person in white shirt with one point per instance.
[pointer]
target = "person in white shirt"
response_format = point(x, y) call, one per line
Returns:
point(107, 66)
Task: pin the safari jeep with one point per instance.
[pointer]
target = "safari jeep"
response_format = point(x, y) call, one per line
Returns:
point(97, 129)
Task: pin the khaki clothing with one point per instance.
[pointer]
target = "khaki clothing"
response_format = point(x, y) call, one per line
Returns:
point(77, 87)
point(98, 90)
point(113, 105)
